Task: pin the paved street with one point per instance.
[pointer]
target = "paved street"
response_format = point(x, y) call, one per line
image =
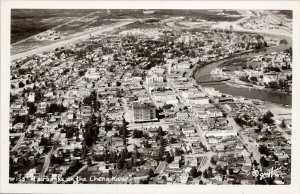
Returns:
point(250, 144)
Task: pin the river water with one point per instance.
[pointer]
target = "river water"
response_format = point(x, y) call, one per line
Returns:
point(253, 93)
point(265, 95)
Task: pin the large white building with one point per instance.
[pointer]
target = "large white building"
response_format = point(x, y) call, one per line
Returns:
point(221, 133)
point(163, 96)
point(151, 79)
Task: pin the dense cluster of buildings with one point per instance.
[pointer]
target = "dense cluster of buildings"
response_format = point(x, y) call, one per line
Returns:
point(124, 107)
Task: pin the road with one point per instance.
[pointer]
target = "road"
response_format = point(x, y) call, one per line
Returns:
point(283, 133)
point(71, 40)
point(194, 118)
point(161, 166)
point(237, 27)
point(20, 140)
point(48, 159)
point(151, 97)
point(250, 144)
point(155, 124)
point(119, 174)
point(206, 163)
point(76, 173)
point(128, 114)
point(46, 163)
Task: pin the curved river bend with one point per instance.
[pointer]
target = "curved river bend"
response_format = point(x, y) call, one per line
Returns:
point(265, 95)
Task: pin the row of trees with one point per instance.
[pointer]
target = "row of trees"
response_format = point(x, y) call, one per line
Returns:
point(91, 100)
point(22, 119)
point(53, 107)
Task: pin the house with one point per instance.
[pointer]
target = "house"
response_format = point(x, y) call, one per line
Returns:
point(239, 146)
point(15, 108)
point(188, 131)
point(174, 165)
point(281, 155)
point(194, 162)
point(31, 97)
point(103, 167)
point(182, 115)
point(31, 174)
point(42, 107)
point(220, 147)
point(19, 126)
point(212, 140)
point(184, 178)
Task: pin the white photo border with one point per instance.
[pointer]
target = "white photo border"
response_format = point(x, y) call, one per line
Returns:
point(6, 6)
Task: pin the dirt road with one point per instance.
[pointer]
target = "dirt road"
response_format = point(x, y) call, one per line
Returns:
point(248, 14)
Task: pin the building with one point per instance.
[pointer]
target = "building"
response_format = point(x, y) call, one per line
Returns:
point(143, 112)
point(221, 133)
point(151, 79)
point(31, 97)
point(188, 131)
point(164, 96)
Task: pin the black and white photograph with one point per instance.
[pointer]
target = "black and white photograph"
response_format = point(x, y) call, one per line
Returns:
point(189, 96)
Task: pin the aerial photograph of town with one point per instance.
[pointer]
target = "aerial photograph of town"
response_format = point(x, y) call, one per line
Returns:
point(150, 96)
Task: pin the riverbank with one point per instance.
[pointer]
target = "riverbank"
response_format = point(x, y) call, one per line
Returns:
point(252, 86)
point(280, 112)
point(251, 93)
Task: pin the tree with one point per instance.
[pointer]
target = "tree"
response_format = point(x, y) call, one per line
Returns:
point(160, 131)
point(194, 172)
point(169, 159)
point(283, 41)
point(161, 149)
point(121, 162)
point(151, 173)
point(273, 85)
point(205, 174)
point(267, 118)
point(21, 84)
point(255, 163)
point(254, 79)
point(137, 133)
point(177, 152)
point(213, 161)
point(230, 171)
point(263, 150)
point(89, 162)
point(31, 108)
point(110, 174)
point(283, 124)
point(264, 162)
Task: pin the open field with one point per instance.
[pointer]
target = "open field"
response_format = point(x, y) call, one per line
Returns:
point(28, 22)
point(82, 36)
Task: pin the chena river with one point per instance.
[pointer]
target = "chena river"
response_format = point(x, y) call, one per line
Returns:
point(253, 93)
